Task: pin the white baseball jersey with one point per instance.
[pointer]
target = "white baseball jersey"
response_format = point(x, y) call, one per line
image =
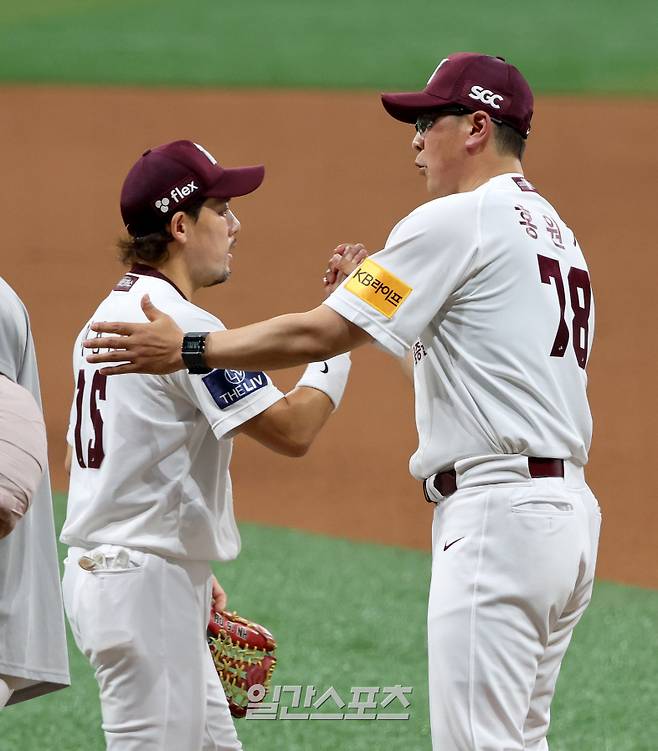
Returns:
point(32, 636)
point(151, 454)
point(491, 290)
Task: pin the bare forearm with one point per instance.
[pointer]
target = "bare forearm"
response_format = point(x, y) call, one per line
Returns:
point(282, 342)
point(291, 425)
point(311, 409)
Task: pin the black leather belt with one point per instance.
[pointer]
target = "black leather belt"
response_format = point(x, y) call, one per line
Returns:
point(446, 482)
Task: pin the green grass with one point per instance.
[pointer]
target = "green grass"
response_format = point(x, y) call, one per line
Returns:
point(563, 46)
point(349, 614)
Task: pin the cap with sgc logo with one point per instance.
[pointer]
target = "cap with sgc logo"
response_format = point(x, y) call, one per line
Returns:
point(474, 81)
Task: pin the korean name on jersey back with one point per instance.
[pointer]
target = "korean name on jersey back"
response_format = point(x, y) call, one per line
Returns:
point(229, 386)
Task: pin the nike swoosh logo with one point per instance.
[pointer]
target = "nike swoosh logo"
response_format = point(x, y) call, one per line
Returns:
point(325, 369)
point(446, 545)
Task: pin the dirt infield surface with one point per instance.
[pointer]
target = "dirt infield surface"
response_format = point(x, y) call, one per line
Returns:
point(338, 169)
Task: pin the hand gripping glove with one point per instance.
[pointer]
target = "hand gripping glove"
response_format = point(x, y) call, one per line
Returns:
point(243, 653)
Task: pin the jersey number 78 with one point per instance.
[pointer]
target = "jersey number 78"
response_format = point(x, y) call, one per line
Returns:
point(580, 295)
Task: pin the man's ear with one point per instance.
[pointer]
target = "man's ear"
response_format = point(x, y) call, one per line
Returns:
point(481, 132)
point(178, 226)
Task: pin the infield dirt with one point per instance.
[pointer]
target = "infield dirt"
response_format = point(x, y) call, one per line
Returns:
point(337, 169)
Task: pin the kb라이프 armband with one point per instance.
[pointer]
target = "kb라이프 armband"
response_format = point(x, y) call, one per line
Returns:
point(329, 376)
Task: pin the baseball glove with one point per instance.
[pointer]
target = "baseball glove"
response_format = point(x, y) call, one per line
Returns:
point(243, 654)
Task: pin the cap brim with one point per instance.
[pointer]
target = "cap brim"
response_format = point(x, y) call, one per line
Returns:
point(408, 105)
point(237, 181)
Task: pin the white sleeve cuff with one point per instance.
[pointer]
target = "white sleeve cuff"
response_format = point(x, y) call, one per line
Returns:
point(329, 376)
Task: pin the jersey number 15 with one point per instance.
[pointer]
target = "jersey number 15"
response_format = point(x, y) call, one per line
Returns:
point(93, 457)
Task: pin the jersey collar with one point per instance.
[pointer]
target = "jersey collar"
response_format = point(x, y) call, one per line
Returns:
point(143, 270)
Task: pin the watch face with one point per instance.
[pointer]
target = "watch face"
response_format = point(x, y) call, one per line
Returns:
point(194, 344)
point(192, 351)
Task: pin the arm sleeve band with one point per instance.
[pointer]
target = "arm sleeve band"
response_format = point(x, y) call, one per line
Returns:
point(329, 377)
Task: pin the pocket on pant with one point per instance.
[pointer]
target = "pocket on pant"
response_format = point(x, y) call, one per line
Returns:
point(542, 506)
point(112, 572)
point(110, 612)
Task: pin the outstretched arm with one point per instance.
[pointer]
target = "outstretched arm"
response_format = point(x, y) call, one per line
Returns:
point(281, 342)
point(287, 340)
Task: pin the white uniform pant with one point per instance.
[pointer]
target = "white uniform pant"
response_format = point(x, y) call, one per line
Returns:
point(142, 626)
point(512, 573)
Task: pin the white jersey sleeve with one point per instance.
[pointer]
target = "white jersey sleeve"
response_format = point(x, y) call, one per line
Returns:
point(228, 398)
point(396, 292)
point(14, 333)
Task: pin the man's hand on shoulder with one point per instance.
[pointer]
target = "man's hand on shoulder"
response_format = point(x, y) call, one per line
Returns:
point(153, 347)
point(345, 258)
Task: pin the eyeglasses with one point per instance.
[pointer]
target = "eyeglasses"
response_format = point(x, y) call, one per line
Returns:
point(425, 121)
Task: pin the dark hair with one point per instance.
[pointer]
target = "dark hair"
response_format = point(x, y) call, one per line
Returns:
point(153, 248)
point(508, 140)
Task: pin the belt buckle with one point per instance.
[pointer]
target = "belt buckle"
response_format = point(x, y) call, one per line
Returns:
point(431, 492)
point(425, 493)
point(436, 484)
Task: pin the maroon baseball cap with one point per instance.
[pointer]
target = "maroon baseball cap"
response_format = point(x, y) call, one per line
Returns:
point(473, 81)
point(165, 179)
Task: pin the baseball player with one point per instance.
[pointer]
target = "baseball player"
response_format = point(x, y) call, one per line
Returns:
point(150, 501)
point(33, 656)
point(487, 288)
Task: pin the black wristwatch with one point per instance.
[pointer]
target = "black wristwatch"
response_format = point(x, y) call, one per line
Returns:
point(193, 350)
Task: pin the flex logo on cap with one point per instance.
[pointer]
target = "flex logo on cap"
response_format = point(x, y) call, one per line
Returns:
point(486, 96)
point(378, 287)
point(178, 194)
